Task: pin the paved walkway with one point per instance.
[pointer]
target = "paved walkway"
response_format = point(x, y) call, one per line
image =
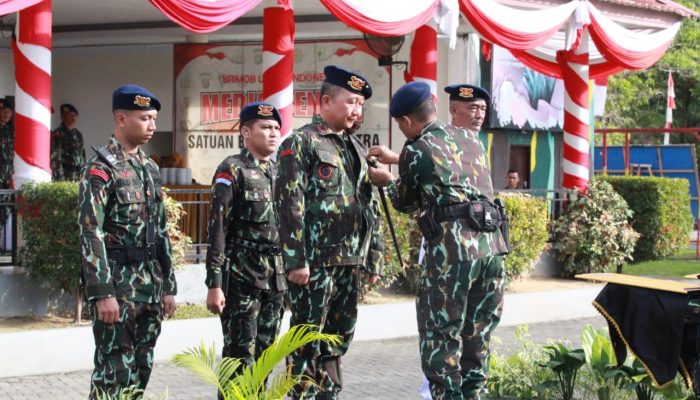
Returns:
point(373, 370)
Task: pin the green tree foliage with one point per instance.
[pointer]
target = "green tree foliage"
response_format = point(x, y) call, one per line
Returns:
point(638, 98)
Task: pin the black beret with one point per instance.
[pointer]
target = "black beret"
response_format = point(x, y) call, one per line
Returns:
point(69, 108)
point(348, 80)
point(8, 104)
point(464, 92)
point(408, 97)
point(133, 97)
point(259, 110)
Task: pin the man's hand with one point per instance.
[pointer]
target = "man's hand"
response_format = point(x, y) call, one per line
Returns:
point(372, 278)
point(380, 177)
point(216, 301)
point(108, 310)
point(299, 276)
point(169, 305)
point(383, 154)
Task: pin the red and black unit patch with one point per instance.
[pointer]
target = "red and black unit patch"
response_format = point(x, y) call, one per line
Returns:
point(286, 152)
point(223, 177)
point(99, 173)
point(325, 172)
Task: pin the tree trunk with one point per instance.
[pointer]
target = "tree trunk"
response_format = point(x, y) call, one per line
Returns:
point(78, 305)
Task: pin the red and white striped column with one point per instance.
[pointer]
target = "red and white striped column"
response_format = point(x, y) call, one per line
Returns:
point(278, 60)
point(32, 55)
point(423, 58)
point(575, 68)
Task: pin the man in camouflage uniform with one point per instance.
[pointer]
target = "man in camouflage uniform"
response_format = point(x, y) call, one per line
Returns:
point(7, 154)
point(67, 147)
point(443, 171)
point(126, 252)
point(329, 227)
point(243, 228)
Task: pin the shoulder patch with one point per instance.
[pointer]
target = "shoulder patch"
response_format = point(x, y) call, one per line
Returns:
point(99, 174)
point(286, 152)
point(224, 178)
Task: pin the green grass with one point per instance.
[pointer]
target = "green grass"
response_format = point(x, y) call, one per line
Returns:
point(190, 311)
point(683, 263)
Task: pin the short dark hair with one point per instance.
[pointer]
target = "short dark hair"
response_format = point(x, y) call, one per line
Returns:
point(512, 171)
point(423, 111)
point(330, 89)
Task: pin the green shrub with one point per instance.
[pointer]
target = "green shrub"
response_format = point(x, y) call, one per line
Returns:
point(594, 234)
point(528, 232)
point(409, 239)
point(179, 242)
point(661, 213)
point(520, 374)
point(528, 237)
point(50, 249)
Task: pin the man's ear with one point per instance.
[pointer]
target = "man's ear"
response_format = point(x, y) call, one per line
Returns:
point(120, 118)
point(452, 109)
point(325, 100)
point(245, 131)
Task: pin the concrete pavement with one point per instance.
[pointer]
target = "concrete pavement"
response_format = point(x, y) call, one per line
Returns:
point(386, 369)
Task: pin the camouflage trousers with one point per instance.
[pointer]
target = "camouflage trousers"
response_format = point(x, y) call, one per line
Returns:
point(124, 350)
point(329, 301)
point(458, 307)
point(250, 321)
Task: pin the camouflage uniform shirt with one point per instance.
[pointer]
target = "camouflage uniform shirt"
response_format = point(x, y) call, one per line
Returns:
point(243, 208)
point(117, 203)
point(447, 165)
point(67, 153)
point(330, 213)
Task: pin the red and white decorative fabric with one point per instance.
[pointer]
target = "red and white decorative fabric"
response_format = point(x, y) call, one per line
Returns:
point(423, 58)
point(574, 42)
point(32, 54)
point(10, 6)
point(515, 29)
point(278, 61)
point(574, 66)
point(383, 17)
point(204, 16)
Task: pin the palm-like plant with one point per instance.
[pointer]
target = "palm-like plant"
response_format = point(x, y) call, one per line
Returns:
point(252, 383)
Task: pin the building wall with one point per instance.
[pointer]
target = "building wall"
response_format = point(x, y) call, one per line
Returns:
point(86, 77)
point(7, 73)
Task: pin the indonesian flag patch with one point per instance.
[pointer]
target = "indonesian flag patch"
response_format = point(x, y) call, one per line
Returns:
point(223, 177)
point(99, 173)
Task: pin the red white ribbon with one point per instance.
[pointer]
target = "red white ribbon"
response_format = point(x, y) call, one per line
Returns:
point(32, 54)
point(278, 62)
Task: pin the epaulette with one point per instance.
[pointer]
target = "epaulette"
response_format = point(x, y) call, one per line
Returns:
point(106, 156)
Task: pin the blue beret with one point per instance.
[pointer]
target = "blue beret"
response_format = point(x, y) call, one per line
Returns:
point(408, 97)
point(464, 92)
point(133, 97)
point(348, 80)
point(69, 108)
point(259, 110)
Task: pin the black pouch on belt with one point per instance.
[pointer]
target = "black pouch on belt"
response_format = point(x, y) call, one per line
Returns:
point(483, 215)
point(429, 226)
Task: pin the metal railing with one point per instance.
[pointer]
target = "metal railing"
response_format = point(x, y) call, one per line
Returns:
point(196, 203)
point(8, 228)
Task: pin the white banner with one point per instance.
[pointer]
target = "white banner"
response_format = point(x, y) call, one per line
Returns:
point(213, 82)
